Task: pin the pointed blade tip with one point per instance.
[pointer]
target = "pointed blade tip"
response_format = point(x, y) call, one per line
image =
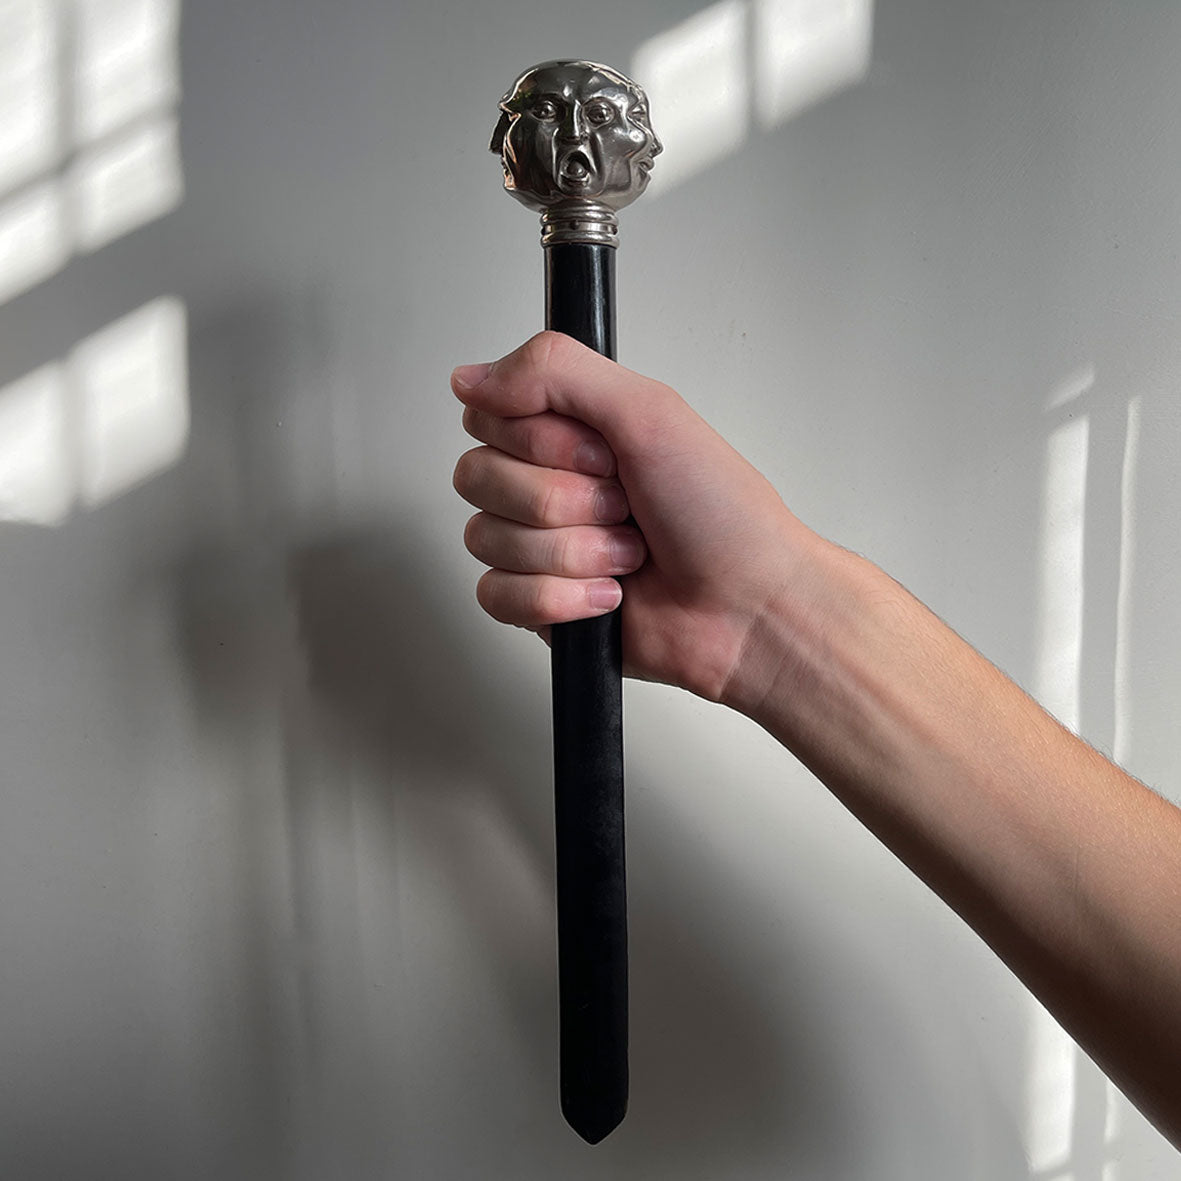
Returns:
point(594, 1126)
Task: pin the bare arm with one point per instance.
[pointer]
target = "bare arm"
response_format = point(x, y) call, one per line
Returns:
point(1069, 868)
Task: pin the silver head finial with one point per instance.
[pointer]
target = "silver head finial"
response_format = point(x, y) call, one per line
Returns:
point(576, 144)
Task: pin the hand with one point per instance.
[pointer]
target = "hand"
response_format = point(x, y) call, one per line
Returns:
point(574, 443)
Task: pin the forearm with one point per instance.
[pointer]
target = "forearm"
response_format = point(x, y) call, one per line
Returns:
point(1067, 867)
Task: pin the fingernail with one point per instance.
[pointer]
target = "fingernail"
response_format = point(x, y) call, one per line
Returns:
point(627, 551)
point(467, 377)
point(594, 459)
point(611, 505)
point(604, 595)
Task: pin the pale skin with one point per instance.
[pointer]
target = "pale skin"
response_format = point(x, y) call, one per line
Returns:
point(1068, 867)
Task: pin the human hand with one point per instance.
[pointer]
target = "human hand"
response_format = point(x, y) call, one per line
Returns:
point(573, 444)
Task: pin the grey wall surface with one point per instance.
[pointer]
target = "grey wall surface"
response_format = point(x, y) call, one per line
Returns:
point(276, 889)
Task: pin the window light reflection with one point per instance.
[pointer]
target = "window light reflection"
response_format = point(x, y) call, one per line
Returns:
point(125, 62)
point(132, 395)
point(1060, 615)
point(1050, 1095)
point(30, 138)
point(113, 415)
point(805, 50)
point(697, 81)
point(707, 76)
point(125, 183)
point(1056, 1065)
point(1051, 1083)
point(114, 164)
point(32, 239)
point(36, 485)
point(1122, 740)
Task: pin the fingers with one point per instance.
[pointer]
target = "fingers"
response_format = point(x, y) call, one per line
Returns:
point(552, 526)
point(547, 439)
point(554, 372)
point(539, 600)
point(520, 491)
point(547, 576)
point(581, 551)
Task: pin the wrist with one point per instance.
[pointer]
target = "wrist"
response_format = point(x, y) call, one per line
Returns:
point(807, 649)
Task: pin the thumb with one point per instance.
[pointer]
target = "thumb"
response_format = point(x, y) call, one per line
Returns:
point(555, 372)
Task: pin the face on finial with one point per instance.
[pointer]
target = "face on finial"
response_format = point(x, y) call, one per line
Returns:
point(573, 130)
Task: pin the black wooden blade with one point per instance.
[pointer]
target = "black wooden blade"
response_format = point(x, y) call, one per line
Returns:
point(588, 780)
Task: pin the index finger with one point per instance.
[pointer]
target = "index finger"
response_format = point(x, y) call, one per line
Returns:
point(547, 439)
point(555, 372)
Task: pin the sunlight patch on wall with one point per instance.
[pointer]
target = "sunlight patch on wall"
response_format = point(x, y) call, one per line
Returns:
point(36, 478)
point(1122, 742)
point(1063, 525)
point(1113, 1127)
point(710, 77)
point(805, 50)
point(1054, 1140)
point(1073, 386)
point(696, 77)
point(33, 241)
point(132, 394)
point(89, 152)
point(125, 63)
point(1051, 1079)
point(30, 46)
point(126, 183)
point(1050, 1094)
point(88, 90)
point(115, 413)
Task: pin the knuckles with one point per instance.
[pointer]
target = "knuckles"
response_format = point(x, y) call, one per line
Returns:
point(541, 356)
point(523, 601)
point(561, 553)
point(544, 506)
point(473, 535)
point(544, 603)
point(545, 350)
point(485, 594)
point(468, 470)
point(472, 421)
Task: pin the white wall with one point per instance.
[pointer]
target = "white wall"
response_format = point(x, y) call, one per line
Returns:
point(275, 825)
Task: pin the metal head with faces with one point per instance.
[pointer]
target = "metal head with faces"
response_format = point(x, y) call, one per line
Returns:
point(575, 132)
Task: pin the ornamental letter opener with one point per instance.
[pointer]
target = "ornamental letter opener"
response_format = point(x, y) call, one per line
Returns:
point(576, 144)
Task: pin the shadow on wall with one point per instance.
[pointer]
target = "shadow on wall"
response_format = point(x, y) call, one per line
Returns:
point(400, 712)
point(420, 709)
point(381, 700)
point(361, 729)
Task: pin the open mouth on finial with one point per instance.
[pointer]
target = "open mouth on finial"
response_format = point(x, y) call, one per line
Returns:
point(575, 169)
